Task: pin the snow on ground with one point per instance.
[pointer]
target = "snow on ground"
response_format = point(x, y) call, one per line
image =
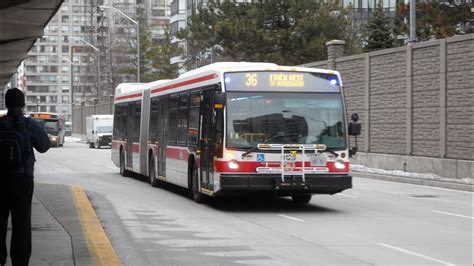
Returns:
point(72, 139)
point(426, 176)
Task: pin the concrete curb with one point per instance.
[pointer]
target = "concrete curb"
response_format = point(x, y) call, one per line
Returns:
point(97, 241)
point(417, 181)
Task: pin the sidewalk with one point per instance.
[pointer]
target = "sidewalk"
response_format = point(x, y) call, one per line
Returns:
point(60, 233)
point(424, 179)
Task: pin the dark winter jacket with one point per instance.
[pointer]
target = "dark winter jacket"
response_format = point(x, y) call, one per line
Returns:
point(38, 140)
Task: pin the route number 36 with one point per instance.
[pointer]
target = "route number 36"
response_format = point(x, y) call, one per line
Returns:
point(251, 80)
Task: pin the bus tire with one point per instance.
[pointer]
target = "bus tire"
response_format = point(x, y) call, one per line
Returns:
point(124, 172)
point(196, 195)
point(154, 182)
point(301, 199)
point(91, 145)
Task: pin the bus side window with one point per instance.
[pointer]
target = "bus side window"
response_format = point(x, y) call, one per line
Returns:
point(173, 119)
point(154, 119)
point(117, 120)
point(136, 122)
point(193, 128)
point(183, 119)
point(130, 121)
point(123, 123)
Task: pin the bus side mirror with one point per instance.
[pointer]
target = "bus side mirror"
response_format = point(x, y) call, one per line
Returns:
point(354, 129)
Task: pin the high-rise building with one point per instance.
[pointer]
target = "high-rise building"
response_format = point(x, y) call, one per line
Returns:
point(57, 62)
point(63, 58)
point(362, 10)
point(181, 12)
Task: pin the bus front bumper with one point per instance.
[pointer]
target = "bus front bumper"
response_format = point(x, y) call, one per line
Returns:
point(314, 184)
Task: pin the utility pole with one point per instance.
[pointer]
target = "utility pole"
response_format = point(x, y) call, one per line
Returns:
point(412, 21)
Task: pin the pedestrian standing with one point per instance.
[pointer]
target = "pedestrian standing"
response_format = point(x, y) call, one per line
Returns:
point(18, 137)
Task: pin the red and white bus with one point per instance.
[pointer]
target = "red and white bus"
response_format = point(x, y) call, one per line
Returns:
point(234, 127)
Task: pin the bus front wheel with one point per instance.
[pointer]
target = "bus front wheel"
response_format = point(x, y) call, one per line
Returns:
point(301, 199)
point(196, 195)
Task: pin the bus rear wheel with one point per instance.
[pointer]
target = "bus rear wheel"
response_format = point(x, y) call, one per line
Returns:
point(301, 199)
point(196, 195)
point(154, 182)
point(124, 172)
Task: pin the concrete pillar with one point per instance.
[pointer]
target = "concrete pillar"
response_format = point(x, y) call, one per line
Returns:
point(367, 103)
point(335, 50)
point(442, 98)
point(409, 105)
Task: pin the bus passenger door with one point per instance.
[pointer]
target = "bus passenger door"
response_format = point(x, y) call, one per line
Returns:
point(162, 135)
point(206, 141)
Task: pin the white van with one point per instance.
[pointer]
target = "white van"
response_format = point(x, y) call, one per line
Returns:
point(99, 130)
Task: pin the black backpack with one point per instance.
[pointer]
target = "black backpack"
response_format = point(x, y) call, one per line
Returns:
point(14, 145)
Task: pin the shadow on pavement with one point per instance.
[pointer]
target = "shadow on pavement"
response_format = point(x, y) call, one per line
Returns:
point(249, 202)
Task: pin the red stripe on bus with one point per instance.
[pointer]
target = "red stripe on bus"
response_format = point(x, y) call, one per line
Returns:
point(248, 167)
point(332, 168)
point(222, 166)
point(129, 96)
point(184, 83)
point(178, 154)
point(135, 148)
point(116, 144)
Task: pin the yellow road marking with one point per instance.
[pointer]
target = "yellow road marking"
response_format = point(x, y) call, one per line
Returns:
point(97, 241)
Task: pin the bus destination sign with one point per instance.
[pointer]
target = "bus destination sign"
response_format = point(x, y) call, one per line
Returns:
point(286, 80)
point(281, 81)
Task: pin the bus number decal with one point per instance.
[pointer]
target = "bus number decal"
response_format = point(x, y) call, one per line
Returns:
point(251, 80)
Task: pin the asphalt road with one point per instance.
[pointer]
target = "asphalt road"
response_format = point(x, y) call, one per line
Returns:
point(376, 223)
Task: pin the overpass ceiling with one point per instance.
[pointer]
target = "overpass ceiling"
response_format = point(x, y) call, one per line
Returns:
point(21, 23)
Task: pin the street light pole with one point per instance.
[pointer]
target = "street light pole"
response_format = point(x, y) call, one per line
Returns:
point(412, 20)
point(136, 22)
point(98, 63)
point(138, 52)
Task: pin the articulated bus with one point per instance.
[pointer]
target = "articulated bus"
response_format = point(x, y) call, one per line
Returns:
point(54, 125)
point(230, 128)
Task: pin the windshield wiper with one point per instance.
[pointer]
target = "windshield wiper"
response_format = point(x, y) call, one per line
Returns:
point(331, 151)
point(266, 141)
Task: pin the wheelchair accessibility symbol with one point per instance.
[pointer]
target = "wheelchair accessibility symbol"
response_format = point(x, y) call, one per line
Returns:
point(260, 157)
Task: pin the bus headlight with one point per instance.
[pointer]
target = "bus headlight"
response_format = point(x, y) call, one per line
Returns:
point(53, 138)
point(233, 164)
point(339, 165)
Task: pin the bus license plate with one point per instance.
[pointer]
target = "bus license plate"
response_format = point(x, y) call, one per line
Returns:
point(318, 160)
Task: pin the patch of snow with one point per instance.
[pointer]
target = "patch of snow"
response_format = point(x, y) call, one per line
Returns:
point(72, 139)
point(426, 176)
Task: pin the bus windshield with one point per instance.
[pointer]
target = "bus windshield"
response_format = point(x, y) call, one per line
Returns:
point(50, 125)
point(285, 118)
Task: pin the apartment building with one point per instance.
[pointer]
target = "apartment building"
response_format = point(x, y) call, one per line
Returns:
point(60, 61)
point(62, 67)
